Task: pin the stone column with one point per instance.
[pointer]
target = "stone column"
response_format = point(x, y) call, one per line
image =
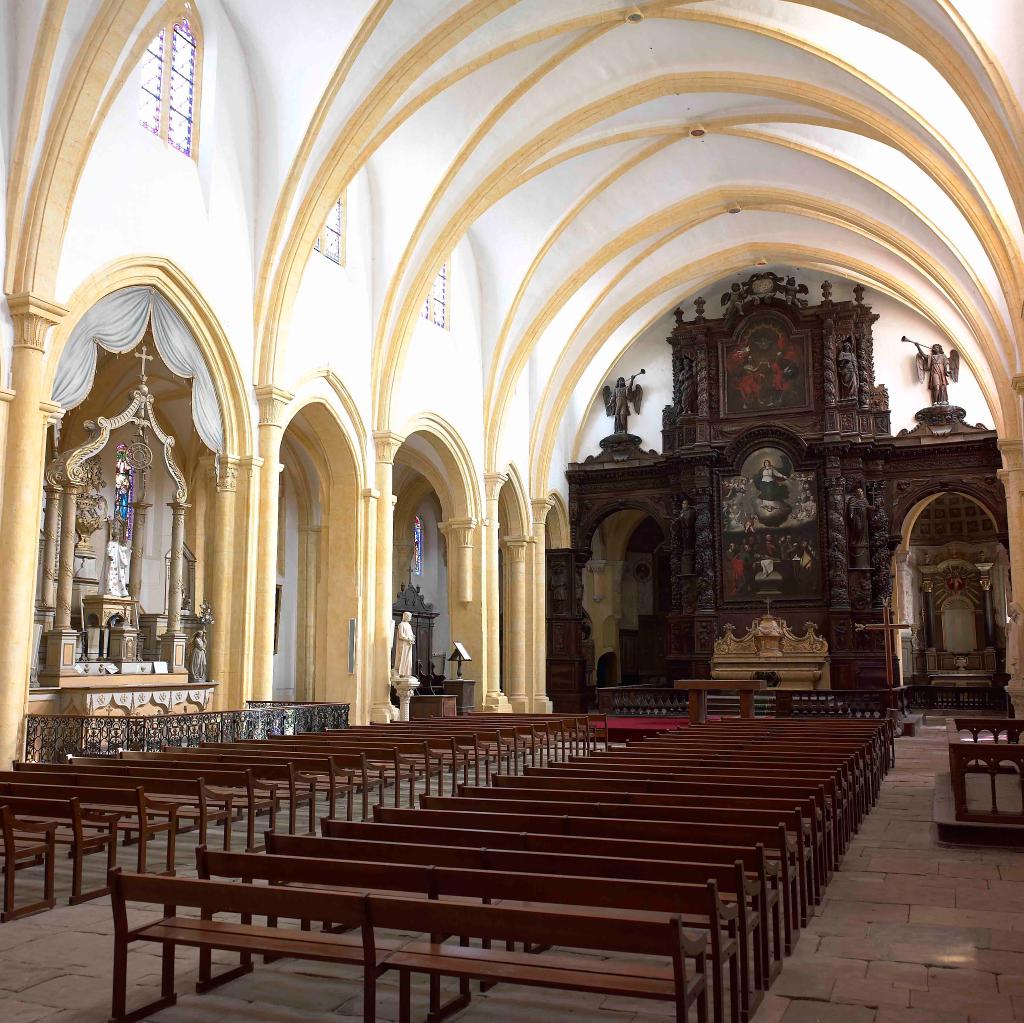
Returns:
point(221, 575)
point(386, 445)
point(66, 558)
point(539, 633)
point(173, 641)
point(272, 402)
point(309, 560)
point(366, 651)
point(140, 510)
point(50, 527)
point(493, 698)
point(986, 597)
point(459, 534)
point(23, 480)
point(929, 615)
point(516, 624)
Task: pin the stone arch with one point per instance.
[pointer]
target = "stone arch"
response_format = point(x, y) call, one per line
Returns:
point(330, 554)
point(179, 289)
point(557, 522)
point(446, 443)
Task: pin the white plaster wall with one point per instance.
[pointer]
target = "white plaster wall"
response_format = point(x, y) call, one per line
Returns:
point(137, 195)
point(433, 583)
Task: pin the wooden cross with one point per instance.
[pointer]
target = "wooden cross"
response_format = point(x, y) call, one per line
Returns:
point(144, 355)
point(890, 628)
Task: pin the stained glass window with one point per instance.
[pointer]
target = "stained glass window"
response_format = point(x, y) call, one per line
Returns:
point(417, 546)
point(168, 97)
point(331, 240)
point(124, 490)
point(435, 308)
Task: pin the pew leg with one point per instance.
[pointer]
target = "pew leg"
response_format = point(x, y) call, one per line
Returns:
point(405, 996)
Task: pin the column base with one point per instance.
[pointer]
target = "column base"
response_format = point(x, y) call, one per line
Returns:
point(542, 705)
point(172, 650)
point(383, 713)
point(497, 703)
point(1015, 694)
point(519, 705)
point(61, 650)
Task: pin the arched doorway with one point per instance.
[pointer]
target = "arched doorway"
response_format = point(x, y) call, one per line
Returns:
point(317, 596)
point(627, 597)
point(952, 585)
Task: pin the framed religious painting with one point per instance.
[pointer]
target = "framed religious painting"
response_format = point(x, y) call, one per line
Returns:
point(765, 368)
point(769, 521)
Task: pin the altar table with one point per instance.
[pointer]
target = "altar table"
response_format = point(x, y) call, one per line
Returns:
point(698, 689)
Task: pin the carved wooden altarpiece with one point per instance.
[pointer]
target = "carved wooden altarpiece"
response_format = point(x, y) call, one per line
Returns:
point(776, 421)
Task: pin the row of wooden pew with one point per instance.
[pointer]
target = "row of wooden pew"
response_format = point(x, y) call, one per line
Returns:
point(705, 851)
point(89, 803)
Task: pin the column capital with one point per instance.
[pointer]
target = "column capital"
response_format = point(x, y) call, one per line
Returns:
point(492, 484)
point(459, 531)
point(225, 474)
point(33, 316)
point(272, 401)
point(515, 548)
point(386, 444)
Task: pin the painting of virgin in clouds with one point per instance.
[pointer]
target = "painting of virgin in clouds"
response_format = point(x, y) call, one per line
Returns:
point(770, 530)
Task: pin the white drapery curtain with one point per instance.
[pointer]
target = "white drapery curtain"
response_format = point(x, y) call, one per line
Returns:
point(117, 324)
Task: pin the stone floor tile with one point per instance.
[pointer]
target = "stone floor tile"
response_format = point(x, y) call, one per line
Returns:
point(888, 1015)
point(985, 870)
point(827, 1012)
point(771, 1010)
point(874, 995)
point(900, 975)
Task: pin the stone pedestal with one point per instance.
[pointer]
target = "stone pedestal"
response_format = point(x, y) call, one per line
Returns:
point(61, 653)
point(172, 650)
point(405, 687)
point(1015, 694)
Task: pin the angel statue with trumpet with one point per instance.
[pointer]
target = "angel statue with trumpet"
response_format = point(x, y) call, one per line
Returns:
point(618, 399)
point(937, 368)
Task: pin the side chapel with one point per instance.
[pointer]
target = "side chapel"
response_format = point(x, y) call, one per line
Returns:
point(781, 488)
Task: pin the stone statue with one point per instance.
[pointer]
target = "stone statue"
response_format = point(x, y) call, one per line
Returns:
point(197, 657)
point(938, 369)
point(119, 556)
point(686, 385)
point(617, 400)
point(846, 365)
point(687, 530)
point(404, 641)
point(1015, 644)
point(857, 510)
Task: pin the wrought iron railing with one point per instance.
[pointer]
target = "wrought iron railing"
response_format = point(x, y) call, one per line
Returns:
point(50, 738)
point(974, 698)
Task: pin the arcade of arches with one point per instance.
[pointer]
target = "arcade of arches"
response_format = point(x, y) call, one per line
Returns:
point(280, 351)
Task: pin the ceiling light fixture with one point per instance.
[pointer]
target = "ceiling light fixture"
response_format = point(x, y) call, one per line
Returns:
point(697, 133)
point(635, 16)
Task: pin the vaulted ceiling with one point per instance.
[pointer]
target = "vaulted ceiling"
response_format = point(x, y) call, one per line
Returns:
point(605, 158)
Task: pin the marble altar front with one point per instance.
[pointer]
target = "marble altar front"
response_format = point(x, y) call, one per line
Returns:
point(801, 662)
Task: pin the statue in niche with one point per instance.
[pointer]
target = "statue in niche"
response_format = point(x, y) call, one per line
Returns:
point(119, 556)
point(937, 368)
point(1015, 643)
point(686, 385)
point(404, 641)
point(687, 520)
point(857, 511)
point(846, 366)
point(618, 399)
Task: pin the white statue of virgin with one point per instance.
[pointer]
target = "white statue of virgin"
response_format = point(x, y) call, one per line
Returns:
point(119, 556)
point(403, 647)
point(1015, 643)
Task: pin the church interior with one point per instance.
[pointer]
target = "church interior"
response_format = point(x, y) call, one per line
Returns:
point(512, 511)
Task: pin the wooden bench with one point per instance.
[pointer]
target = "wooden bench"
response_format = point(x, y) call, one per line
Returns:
point(137, 813)
point(84, 830)
point(698, 904)
point(617, 976)
point(766, 874)
point(734, 886)
point(26, 843)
